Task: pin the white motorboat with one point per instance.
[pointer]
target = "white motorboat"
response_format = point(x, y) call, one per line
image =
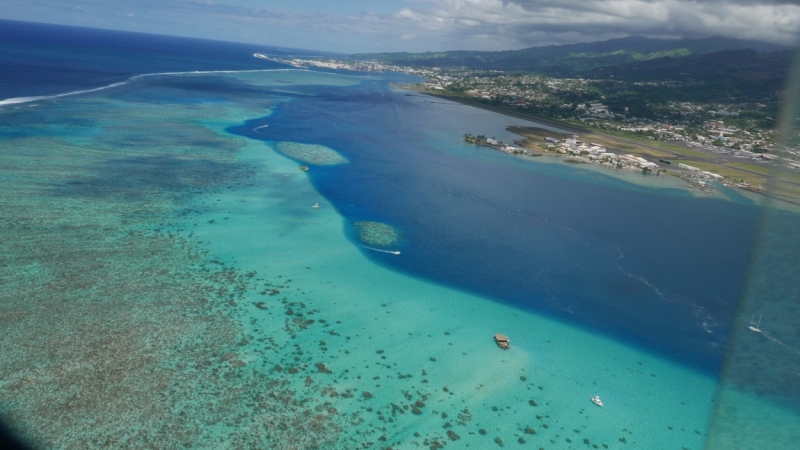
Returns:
point(596, 400)
point(316, 206)
point(755, 326)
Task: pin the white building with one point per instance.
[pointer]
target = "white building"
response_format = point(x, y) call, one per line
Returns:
point(688, 167)
point(712, 175)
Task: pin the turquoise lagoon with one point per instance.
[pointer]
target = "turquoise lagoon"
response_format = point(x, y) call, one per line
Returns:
point(166, 283)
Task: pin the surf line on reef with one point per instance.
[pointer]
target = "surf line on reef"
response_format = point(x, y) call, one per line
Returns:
point(392, 252)
point(18, 100)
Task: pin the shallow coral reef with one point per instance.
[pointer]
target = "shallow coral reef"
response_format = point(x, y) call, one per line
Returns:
point(376, 233)
point(319, 155)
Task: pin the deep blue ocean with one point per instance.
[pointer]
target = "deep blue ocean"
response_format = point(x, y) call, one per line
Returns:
point(40, 59)
point(658, 268)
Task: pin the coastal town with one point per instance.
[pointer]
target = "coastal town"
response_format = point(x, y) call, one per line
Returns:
point(686, 123)
point(733, 144)
point(710, 126)
point(576, 151)
point(333, 64)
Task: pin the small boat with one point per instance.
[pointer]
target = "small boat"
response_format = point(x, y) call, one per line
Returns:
point(303, 168)
point(596, 400)
point(755, 326)
point(316, 206)
point(502, 341)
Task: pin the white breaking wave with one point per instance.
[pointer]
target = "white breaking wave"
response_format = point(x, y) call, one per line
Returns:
point(14, 101)
point(18, 100)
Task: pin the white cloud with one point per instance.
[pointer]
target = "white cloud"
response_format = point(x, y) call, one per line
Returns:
point(418, 25)
point(520, 23)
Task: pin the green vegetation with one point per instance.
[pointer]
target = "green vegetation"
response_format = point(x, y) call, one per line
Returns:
point(768, 171)
point(646, 88)
point(479, 139)
point(669, 99)
point(567, 60)
point(699, 101)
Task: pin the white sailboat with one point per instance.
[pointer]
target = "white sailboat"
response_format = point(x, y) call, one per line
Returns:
point(755, 326)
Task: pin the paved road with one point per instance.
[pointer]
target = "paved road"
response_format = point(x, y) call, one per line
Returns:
point(549, 122)
point(716, 159)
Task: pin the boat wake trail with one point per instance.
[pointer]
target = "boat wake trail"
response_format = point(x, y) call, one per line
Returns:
point(642, 280)
point(393, 252)
point(258, 128)
point(779, 342)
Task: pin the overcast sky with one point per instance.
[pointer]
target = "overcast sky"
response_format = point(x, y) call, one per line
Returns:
point(419, 25)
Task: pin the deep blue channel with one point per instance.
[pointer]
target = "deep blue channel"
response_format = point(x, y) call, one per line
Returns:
point(657, 268)
point(653, 267)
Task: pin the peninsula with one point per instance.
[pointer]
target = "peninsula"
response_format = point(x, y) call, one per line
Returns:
point(701, 109)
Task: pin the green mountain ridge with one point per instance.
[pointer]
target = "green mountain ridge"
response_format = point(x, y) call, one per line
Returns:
point(568, 59)
point(724, 77)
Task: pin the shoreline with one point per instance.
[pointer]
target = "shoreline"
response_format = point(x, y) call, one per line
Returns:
point(551, 123)
point(169, 283)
